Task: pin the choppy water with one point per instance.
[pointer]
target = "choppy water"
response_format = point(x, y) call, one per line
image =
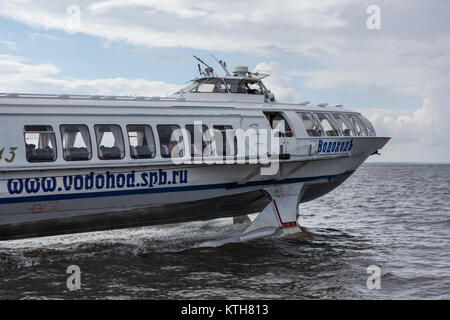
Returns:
point(394, 216)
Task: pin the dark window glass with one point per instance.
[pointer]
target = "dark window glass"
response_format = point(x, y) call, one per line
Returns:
point(328, 124)
point(277, 121)
point(360, 127)
point(110, 142)
point(199, 140)
point(345, 124)
point(76, 142)
point(171, 141)
point(312, 124)
point(244, 86)
point(142, 142)
point(225, 139)
point(40, 143)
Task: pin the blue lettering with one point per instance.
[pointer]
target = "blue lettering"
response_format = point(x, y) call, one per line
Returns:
point(162, 177)
point(15, 186)
point(89, 182)
point(32, 186)
point(100, 181)
point(319, 149)
point(67, 182)
point(144, 178)
point(110, 180)
point(78, 182)
point(48, 184)
point(153, 178)
point(350, 146)
point(183, 176)
point(346, 146)
point(174, 176)
point(120, 180)
point(131, 178)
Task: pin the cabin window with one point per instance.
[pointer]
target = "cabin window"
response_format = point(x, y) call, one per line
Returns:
point(199, 140)
point(254, 88)
point(328, 124)
point(345, 124)
point(370, 129)
point(277, 121)
point(360, 128)
point(40, 143)
point(244, 86)
point(110, 142)
point(142, 142)
point(171, 141)
point(211, 86)
point(312, 124)
point(76, 142)
point(225, 140)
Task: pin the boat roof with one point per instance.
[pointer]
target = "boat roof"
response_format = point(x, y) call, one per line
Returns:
point(18, 103)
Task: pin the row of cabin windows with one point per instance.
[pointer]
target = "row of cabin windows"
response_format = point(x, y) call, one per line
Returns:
point(40, 142)
point(336, 124)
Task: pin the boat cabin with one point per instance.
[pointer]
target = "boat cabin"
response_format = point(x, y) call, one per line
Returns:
point(241, 86)
point(73, 132)
point(41, 130)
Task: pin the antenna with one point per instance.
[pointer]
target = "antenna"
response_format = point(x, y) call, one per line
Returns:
point(209, 72)
point(223, 64)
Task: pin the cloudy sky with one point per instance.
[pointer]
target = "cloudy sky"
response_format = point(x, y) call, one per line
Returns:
point(392, 64)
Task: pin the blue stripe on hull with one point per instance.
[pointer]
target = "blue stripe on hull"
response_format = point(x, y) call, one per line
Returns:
point(233, 185)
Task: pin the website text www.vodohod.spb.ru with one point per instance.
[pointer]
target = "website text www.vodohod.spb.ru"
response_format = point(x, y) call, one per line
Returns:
point(97, 181)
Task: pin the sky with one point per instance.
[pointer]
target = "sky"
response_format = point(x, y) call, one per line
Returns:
point(389, 60)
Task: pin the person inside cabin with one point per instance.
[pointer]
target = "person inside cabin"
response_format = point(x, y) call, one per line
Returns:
point(165, 150)
point(288, 130)
point(170, 147)
point(175, 149)
point(242, 87)
point(31, 151)
point(142, 142)
point(166, 146)
point(219, 86)
point(171, 140)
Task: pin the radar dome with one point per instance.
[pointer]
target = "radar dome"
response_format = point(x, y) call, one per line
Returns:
point(240, 71)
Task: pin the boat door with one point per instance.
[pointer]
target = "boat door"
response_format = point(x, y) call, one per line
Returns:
point(252, 126)
point(287, 140)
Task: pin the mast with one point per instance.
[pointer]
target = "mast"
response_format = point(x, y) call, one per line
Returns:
point(223, 64)
point(208, 72)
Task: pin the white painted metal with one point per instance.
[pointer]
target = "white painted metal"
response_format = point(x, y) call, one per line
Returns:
point(280, 214)
point(304, 167)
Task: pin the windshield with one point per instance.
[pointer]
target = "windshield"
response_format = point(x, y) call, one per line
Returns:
point(244, 86)
point(205, 86)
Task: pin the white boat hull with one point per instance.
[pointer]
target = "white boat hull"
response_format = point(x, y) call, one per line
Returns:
point(56, 202)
